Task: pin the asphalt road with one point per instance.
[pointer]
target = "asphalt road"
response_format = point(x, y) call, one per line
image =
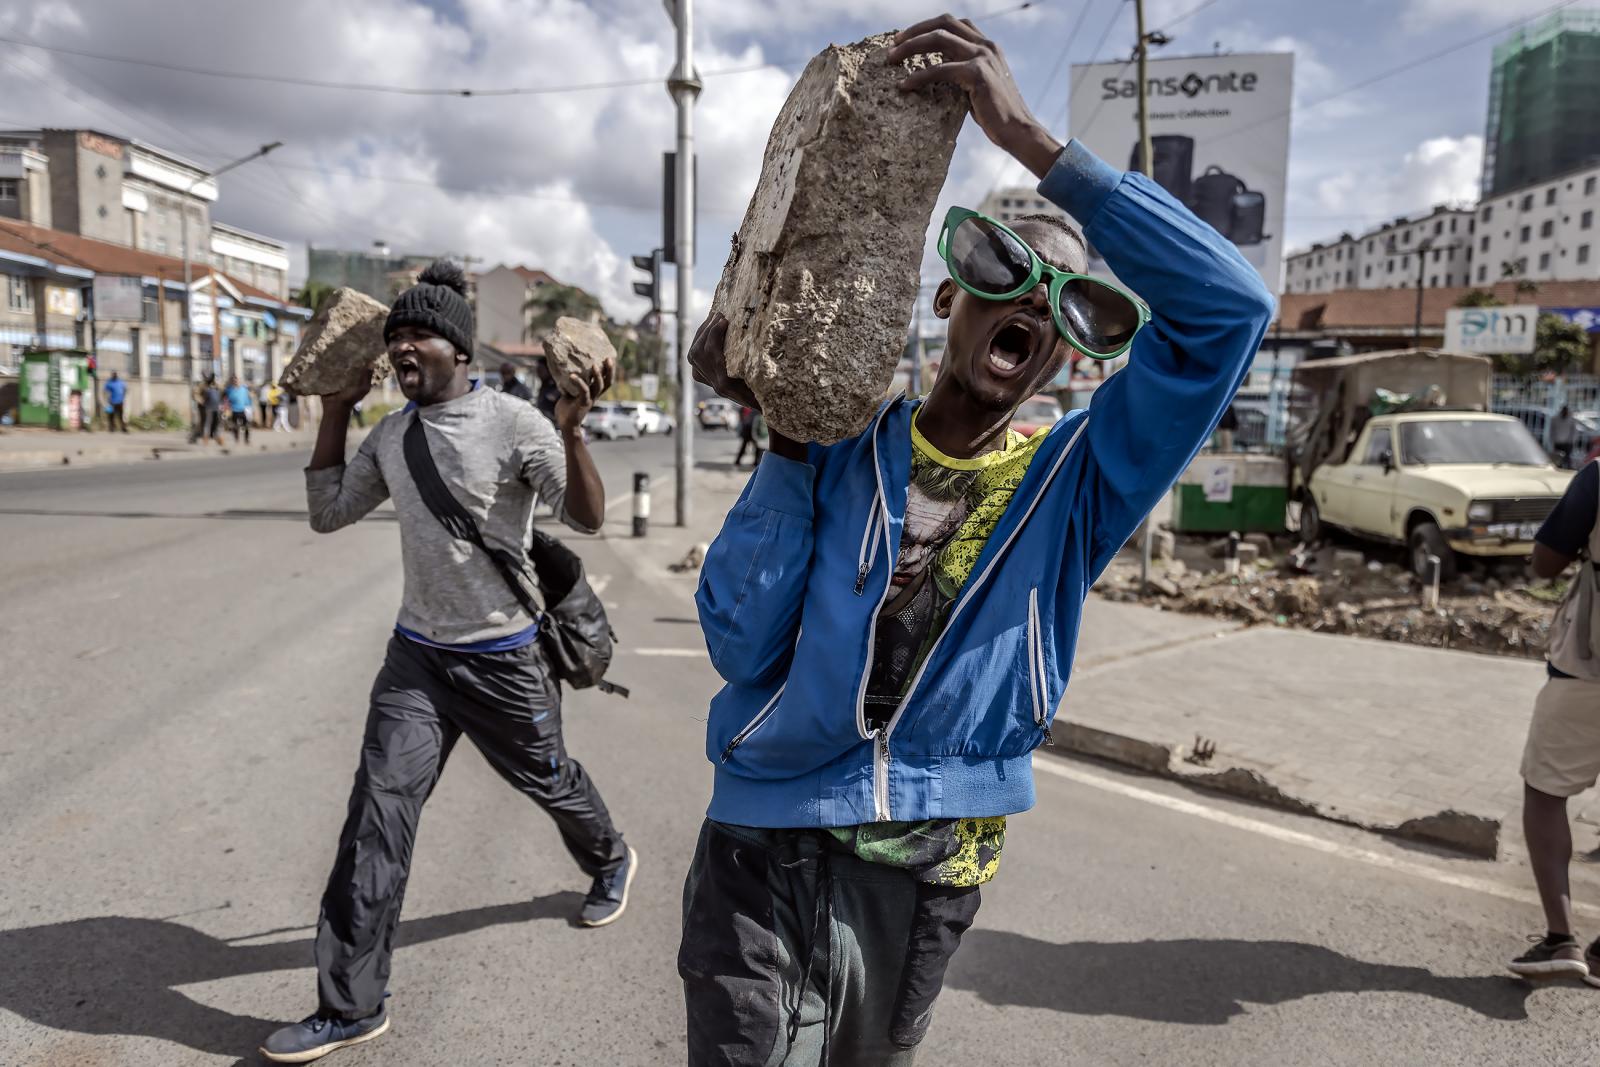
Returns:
point(185, 671)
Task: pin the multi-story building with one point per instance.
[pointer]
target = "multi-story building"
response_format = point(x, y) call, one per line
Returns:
point(261, 261)
point(24, 184)
point(1541, 232)
point(1544, 102)
point(502, 314)
point(1010, 203)
point(374, 273)
point(1387, 256)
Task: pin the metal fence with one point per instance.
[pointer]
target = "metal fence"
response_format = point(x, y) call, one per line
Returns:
point(1536, 402)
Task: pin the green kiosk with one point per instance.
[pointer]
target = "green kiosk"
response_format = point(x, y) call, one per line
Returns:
point(54, 390)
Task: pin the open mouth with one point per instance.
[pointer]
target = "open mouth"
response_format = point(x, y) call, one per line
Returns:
point(1013, 344)
point(407, 371)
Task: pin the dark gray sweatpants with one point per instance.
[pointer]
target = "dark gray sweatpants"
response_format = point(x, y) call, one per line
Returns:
point(423, 700)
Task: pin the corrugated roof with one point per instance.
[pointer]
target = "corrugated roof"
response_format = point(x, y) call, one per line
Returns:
point(103, 257)
point(1355, 309)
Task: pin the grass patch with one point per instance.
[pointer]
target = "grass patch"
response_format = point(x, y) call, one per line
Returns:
point(159, 417)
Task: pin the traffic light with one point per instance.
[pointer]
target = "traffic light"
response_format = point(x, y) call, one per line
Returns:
point(651, 289)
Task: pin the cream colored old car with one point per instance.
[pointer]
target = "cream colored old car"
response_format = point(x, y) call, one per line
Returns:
point(1438, 482)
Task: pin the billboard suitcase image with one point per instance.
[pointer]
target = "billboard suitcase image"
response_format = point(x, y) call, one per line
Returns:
point(1249, 222)
point(1174, 163)
point(1212, 199)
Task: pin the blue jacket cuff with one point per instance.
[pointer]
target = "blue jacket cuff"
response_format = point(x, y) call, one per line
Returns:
point(1079, 182)
point(783, 485)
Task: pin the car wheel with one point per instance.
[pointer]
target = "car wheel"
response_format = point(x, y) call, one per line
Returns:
point(1427, 540)
point(1310, 520)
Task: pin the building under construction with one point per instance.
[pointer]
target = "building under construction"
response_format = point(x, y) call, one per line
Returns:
point(1544, 102)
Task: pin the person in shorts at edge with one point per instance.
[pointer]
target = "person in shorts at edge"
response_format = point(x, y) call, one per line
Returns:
point(1562, 756)
point(465, 656)
point(895, 614)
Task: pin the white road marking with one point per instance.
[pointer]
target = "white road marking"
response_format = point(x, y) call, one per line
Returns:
point(1051, 765)
point(621, 501)
point(682, 652)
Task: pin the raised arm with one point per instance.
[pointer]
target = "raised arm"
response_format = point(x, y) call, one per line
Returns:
point(337, 493)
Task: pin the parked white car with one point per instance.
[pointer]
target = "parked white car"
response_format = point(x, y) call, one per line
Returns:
point(650, 418)
point(718, 414)
point(610, 421)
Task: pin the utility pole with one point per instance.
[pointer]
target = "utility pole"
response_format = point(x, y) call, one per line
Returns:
point(1146, 157)
point(684, 85)
point(1422, 266)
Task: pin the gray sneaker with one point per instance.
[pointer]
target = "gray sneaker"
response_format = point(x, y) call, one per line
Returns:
point(315, 1036)
point(1591, 958)
point(608, 897)
point(1563, 959)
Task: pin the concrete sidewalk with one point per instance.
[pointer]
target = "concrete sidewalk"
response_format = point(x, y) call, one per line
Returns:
point(1404, 740)
point(27, 448)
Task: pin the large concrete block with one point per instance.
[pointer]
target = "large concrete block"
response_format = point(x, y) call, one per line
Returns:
point(341, 343)
point(820, 285)
point(577, 347)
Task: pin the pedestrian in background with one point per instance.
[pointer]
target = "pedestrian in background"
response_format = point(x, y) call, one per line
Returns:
point(280, 410)
point(1562, 755)
point(356, 416)
point(747, 435)
point(1226, 429)
point(264, 402)
point(465, 656)
point(1563, 434)
point(510, 383)
point(116, 395)
point(239, 409)
point(209, 401)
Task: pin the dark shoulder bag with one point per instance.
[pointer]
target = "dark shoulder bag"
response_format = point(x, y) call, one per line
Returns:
point(573, 629)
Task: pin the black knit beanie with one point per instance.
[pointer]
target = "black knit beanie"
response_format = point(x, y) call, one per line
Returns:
point(437, 303)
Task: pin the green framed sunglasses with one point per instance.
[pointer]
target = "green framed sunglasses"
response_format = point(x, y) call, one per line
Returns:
point(989, 260)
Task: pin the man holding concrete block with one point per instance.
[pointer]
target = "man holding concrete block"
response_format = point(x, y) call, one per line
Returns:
point(895, 614)
point(465, 657)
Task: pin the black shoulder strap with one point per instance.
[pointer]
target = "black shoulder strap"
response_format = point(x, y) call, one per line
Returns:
point(457, 519)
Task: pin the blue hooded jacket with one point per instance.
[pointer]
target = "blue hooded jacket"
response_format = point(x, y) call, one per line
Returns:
point(791, 588)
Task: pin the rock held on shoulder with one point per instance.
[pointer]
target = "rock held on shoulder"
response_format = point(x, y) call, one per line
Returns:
point(823, 276)
point(343, 342)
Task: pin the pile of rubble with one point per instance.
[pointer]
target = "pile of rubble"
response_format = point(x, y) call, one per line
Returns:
point(1341, 591)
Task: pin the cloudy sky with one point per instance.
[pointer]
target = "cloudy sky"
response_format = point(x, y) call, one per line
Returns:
point(569, 180)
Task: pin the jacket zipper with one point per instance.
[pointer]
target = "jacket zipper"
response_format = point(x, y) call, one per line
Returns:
point(1036, 675)
point(754, 724)
point(880, 778)
point(870, 542)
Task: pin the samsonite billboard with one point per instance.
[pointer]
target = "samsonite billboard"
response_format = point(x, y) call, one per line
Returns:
point(1219, 132)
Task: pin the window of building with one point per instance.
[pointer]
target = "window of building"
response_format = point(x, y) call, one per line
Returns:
point(1438, 253)
point(1319, 259)
point(8, 188)
point(1390, 264)
point(1433, 282)
point(161, 244)
point(1586, 220)
point(1488, 213)
point(1405, 238)
point(1588, 186)
point(1438, 227)
point(1550, 195)
point(1547, 228)
point(1526, 235)
point(19, 294)
point(1583, 253)
point(1367, 273)
point(1527, 202)
point(1371, 245)
point(1483, 273)
point(1544, 260)
point(1483, 244)
point(1350, 276)
point(1338, 254)
point(1452, 225)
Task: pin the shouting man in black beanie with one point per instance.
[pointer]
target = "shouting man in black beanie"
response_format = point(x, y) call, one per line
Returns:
point(464, 656)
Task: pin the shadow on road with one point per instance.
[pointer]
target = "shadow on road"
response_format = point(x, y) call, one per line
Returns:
point(115, 975)
point(1198, 982)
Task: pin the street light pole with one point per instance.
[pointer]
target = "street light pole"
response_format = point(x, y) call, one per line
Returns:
point(189, 347)
point(1145, 157)
point(684, 85)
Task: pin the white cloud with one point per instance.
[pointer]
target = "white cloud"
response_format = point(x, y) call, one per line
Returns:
point(1434, 13)
point(1440, 170)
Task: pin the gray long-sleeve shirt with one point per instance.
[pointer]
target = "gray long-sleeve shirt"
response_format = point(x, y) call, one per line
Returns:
point(500, 457)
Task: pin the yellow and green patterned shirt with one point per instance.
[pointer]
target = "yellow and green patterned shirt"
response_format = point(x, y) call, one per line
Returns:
point(952, 506)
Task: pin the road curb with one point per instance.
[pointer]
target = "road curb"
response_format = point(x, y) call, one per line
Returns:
point(1474, 835)
point(70, 456)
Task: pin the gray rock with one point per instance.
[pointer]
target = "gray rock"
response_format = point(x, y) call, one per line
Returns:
point(1249, 553)
point(819, 287)
point(577, 347)
point(1163, 545)
point(343, 342)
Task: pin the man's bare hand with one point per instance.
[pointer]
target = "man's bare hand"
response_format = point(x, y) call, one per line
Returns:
point(710, 362)
point(976, 64)
point(579, 393)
